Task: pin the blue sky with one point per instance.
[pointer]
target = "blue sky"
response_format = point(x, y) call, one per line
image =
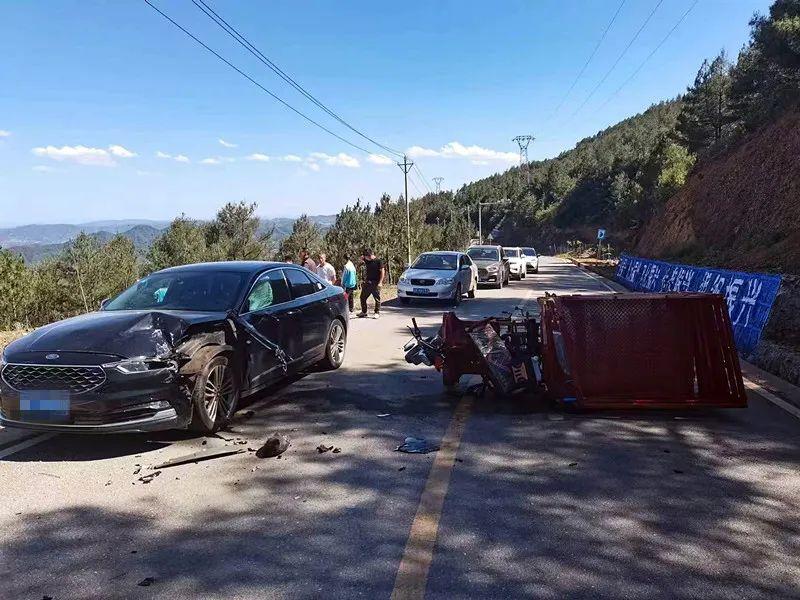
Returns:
point(107, 111)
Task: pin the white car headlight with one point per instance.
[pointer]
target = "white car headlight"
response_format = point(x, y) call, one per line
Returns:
point(492, 268)
point(403, 279)
point(445, 280)
point(129, 367)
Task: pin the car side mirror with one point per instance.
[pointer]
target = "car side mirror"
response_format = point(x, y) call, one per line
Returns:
point(104, 302)
point(465, 267)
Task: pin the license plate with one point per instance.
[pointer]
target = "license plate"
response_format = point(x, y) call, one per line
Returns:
point(421, 290)
point(50, 405)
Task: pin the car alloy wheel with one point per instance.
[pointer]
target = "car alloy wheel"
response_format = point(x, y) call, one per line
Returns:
point(456, 300)
point(336, 345)
point(218, 391)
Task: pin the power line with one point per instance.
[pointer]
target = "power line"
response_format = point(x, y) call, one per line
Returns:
point(619, 58)
point(423, 178)
point(588, 60)
point(253, 81)
point(649, 56)
point(250, 47)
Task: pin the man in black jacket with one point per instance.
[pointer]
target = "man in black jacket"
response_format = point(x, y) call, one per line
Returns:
point(374, 272)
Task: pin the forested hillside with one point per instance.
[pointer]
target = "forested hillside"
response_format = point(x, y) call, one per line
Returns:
point(732, 130)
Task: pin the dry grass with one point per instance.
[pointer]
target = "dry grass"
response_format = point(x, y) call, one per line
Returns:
point(6, 337)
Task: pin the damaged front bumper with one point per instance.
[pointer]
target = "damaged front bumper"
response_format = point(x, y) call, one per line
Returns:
point(122, 400)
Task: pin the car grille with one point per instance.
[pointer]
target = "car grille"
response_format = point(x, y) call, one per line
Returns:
point(423, 281)
point(482, 272)
point(76, 379)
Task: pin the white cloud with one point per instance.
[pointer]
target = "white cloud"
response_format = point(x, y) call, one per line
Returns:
point(210, 161)
point(291, 158)
point(313, 166)
point(4, 133)
point(44, 169)
point(227, 144)
point(177, 157)
point(83, 155)
point(121, 151)
point(379, 159)
point(458, 150)
point(338, 160)
point(258, 157)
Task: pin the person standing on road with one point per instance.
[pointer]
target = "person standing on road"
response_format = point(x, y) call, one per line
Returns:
point(307, 261)
point(325, 269)
point(349, 282)
point(373, 280)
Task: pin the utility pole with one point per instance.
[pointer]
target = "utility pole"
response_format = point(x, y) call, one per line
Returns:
point(406, 167)
point(523, 141)
point(438, 183)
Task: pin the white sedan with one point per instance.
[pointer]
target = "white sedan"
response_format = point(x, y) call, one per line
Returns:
point(531, 259)
point(440, 276)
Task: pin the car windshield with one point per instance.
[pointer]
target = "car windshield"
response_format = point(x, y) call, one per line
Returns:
point(514, 252)
point(441, 262)
point(484, 253)
point(529, 252)
point(182, 290)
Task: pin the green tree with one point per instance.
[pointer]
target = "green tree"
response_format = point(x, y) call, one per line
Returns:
point(236, 234)
point(14, 289)
point(183, 243)
point(676, 163)
point(305, 234)
point(706, 117)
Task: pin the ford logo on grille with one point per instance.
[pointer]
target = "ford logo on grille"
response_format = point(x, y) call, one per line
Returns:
point(51, 356)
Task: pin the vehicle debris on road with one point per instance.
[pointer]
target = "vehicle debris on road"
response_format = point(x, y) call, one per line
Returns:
point(414, 445)
point(198, 456)
point(276, 445)
point(149, 477)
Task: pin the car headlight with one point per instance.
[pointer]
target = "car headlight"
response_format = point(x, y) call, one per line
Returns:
point(129, 367)
point(492, 268)
point(445, 280)
point(403, 279)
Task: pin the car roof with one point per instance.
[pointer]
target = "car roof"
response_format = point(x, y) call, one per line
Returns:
point(447, 252)
point(230, 266)
point(485, 246)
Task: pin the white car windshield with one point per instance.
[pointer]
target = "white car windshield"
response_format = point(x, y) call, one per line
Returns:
point(529, 252)
point(512, 252)
point(440, 262)
point(483, 253)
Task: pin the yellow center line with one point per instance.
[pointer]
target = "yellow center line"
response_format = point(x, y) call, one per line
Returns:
point(412, 574)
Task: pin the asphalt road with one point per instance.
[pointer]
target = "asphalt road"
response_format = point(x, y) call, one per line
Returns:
point(533, 503)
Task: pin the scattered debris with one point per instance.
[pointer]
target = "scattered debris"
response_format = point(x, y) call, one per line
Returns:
point(204, 442)
point(665, 450)
point(459, 460)
point(322, 448)
point(413, 445)
point(138, 469)
point(241, 442)
point(573, 464)
point(249, 449)
point(134, 551)
point(198, 456)
point(274, 446)
point(147, 582)
point(382, 415)
point(108, 483)
point(47, 597)
point(149, 477)
point(401, 469)
point(337, 450)
point(49, 474)
point(677, 471)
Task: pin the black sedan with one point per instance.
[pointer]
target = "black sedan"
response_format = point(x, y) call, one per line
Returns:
point(176, 350)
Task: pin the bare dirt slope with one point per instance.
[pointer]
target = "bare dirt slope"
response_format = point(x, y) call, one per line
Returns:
point(740, 210)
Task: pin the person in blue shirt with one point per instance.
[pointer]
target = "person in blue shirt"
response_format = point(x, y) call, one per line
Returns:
point(349, 281)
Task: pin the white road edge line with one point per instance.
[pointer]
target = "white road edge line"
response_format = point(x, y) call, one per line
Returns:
point(26, 444)
point(599, 279)
point(767, 395)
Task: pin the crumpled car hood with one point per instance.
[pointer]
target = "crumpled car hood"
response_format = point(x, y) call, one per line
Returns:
point(124, 333)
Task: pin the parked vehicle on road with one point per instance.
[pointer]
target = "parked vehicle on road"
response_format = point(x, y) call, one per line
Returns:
point(493, 267)
point(175, 350)
point(439, 275)
point(516, 262)
point(531, 259)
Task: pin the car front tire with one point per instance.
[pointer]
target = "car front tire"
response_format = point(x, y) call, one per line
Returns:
point(471, 292)
point(215, 396)
point(456, 299)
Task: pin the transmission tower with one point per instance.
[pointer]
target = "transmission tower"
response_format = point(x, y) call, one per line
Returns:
point(438, 182)
point(524, 166)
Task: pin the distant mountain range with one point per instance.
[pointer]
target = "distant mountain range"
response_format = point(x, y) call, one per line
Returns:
point(37, 242)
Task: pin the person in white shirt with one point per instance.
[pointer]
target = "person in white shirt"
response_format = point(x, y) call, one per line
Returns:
point(326, 270)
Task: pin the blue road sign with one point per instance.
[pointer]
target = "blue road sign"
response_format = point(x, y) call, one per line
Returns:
point(601, 234)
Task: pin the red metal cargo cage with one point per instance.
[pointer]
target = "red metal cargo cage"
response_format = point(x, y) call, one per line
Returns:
point(640, 350)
